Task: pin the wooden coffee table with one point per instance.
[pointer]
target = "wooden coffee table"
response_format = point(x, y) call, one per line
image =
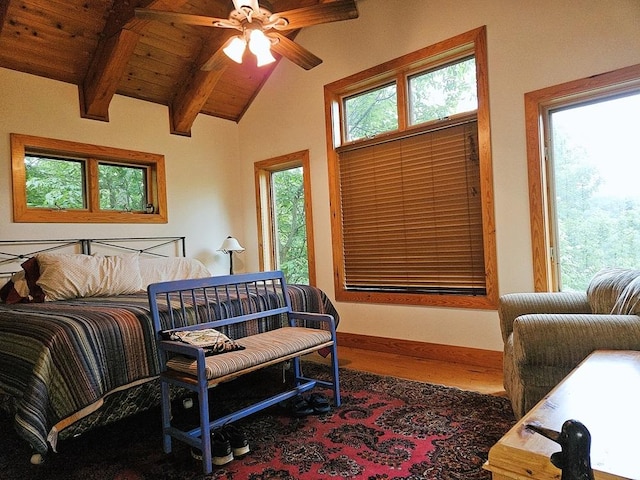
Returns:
point(603, 393)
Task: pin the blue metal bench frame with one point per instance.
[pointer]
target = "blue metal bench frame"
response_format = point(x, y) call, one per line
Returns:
point(172, 302)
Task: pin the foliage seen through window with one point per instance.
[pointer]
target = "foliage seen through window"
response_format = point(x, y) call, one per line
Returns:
point(59, 183)
point(443, 92)
point(372, 112)
point(122, 187)
point(55, 182)
point(291, 233)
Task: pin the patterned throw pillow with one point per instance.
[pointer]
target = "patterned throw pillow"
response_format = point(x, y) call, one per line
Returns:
point(22, 288)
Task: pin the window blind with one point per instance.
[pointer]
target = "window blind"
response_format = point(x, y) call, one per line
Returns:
point(411, 214)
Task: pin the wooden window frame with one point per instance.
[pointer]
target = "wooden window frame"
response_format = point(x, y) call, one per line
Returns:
point(466, 44)
point(91, 155)
point(266, 225)
point(537, 106)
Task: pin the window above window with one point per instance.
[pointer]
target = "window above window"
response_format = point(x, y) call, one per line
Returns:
point(410, 179)
point(443, 92)
point(59, 181)
point(370, 113)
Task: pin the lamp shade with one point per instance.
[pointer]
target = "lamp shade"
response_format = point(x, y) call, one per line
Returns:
point(230, 244)
point(235, 49)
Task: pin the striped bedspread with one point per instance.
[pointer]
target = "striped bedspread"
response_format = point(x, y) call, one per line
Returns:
point(60, 360)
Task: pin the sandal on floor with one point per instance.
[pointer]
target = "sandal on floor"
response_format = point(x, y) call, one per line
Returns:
point(319, 403)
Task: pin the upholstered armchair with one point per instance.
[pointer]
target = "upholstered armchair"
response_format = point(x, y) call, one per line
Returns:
point(546, 335)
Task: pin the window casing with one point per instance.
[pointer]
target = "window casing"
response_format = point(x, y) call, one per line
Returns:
point(538, 105)
point(269, 253)
point(412, 208)
point(137, 193)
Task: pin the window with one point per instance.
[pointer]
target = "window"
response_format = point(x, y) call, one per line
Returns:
point(443, 91)
point(285, 224)
point(61, 181)
point(410, 170)
point(582, 165)
point(371, 112)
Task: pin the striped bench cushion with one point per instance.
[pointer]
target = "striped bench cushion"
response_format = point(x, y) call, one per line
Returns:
point(259, 348)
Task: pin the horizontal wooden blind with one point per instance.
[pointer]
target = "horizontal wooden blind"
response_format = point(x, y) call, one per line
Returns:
point(411, 214)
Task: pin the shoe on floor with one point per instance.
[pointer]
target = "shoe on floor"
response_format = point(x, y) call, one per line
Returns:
point(300, 407)
point(238, 440)
point(221, 452)
point(319, 403)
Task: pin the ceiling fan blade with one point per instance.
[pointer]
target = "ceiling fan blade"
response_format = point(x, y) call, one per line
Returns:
point(316, 14)
point(184, 18)
point(219, 59)
point(294, 52)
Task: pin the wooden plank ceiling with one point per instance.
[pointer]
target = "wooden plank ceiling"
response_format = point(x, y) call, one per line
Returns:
point(102, 48)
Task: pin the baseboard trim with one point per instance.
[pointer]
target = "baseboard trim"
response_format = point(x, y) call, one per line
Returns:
point(430, 351)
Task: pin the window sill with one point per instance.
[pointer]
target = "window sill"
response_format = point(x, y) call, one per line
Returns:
point(45, 215)
point(486, 302)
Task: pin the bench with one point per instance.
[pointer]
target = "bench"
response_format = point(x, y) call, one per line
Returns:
point(255, 304)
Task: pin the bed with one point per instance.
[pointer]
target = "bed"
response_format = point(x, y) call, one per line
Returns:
point(77, 343)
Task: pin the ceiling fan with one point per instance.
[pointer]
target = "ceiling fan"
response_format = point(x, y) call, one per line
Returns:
point(260, 29)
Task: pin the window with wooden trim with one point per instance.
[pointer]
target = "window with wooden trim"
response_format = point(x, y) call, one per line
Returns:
point(285, 222)
point(582, 164)
point(60, 181)
point(410, 179)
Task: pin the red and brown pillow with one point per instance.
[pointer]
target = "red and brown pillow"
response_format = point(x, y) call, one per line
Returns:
point(10, 293)
point(32, 273)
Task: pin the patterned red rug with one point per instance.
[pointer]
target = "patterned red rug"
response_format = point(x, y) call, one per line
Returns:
point(386, 429)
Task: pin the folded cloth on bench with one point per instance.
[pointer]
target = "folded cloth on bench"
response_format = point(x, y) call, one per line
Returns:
point(259, 348)
point(210, 339)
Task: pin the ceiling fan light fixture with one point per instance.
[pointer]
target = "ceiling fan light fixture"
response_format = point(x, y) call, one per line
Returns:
point(260, 46)
point(265, 58)
point(250, 4)
point(235, 49)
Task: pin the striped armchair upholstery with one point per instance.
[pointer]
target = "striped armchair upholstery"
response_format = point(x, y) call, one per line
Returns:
point(546, 335)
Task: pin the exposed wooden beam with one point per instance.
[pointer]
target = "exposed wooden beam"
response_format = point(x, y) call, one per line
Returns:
point(198, 85)
point(107, 67)
point(4, 8)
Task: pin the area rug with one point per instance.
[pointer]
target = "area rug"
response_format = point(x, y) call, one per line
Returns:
point(386, 429)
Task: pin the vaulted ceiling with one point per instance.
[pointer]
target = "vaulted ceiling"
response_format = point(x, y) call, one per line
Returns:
point(104, 49)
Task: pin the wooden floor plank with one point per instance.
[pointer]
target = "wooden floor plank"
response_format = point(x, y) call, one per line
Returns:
point(467, 377)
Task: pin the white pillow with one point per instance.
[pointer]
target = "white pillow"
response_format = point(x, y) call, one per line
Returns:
point(65, 276)
point(164, 269)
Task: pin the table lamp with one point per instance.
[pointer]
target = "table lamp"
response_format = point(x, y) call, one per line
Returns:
point(229, 246)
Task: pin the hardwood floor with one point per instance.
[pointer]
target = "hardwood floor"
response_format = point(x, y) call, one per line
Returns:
point(467, 377)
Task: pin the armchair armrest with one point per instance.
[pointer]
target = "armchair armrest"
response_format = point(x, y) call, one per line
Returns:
point(512, 305)
point(561, 340)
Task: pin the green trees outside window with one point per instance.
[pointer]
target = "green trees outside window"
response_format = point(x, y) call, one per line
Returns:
point(60, 183)
point(597, 202)
point(55, 183)
point(290, 223)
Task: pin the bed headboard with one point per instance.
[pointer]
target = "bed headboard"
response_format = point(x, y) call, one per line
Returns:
point(15, 252)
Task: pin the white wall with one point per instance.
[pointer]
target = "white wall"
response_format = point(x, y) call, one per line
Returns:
point(201, 176)
point(531, 45)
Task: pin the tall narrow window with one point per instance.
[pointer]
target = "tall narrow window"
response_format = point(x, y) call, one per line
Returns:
point(588, 160)
point(284, 216)
point(410, 171)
